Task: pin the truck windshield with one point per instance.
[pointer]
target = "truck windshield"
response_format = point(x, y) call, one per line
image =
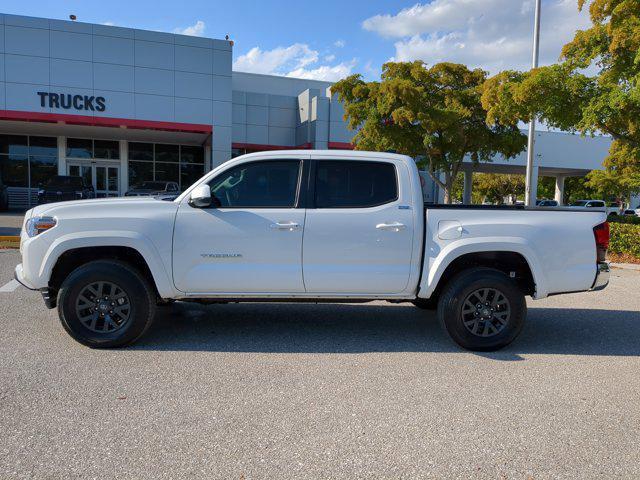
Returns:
point(579, 203)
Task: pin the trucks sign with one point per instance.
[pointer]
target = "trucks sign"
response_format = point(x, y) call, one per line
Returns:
point(68, 101)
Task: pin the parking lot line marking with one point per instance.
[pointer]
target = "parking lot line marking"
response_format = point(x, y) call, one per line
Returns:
point(9, 287)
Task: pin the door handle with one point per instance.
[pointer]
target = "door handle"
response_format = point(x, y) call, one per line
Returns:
point(394, 226)
point(291, 226)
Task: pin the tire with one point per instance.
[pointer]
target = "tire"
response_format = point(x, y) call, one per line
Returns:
point(425, 303)
point(121, 288)
point(473, 324)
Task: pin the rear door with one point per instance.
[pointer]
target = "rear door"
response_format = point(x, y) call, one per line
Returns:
point(359, 227)
point(250, 240)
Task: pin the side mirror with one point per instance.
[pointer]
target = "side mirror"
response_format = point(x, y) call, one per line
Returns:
point(201, 196)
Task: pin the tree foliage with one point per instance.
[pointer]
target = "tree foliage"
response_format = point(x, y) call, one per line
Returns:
point(566, 96)
point(494, 187)
point(435, 114)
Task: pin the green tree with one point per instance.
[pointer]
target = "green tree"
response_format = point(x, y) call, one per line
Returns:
point(566, 97)
point(608, 184)
point(494, 187)
point(434, 114)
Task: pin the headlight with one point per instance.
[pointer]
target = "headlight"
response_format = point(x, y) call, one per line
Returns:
point(37, 225)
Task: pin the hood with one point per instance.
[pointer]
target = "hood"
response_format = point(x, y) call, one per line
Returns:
point(53, 209)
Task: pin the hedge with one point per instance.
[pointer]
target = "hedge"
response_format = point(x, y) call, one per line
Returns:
point(624, 219)
point(625, 239)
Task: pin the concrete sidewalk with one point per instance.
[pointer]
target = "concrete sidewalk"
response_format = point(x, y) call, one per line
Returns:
point(11, 223)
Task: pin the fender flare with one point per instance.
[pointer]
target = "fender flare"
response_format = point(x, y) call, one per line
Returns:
point(456, 249)
point(111, 238)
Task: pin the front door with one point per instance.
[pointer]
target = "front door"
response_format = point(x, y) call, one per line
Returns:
point(105, 178)
point(359, 232)
point(250, 240)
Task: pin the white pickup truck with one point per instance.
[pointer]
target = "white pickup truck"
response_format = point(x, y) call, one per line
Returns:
point(336, 226)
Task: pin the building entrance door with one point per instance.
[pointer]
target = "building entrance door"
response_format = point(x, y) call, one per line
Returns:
point(104, 177)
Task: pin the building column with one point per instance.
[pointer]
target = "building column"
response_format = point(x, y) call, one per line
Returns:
point(208, 158)
point(468, 186)
point(62, 155)
point(559, 196)
point(124, 166)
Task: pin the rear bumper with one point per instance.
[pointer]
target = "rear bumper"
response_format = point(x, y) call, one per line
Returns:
point(602, 276)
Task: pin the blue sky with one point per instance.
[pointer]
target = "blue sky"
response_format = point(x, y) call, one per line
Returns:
point(330, 39)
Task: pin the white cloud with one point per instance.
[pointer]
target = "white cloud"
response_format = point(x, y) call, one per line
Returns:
point(491, 34)
point(108, 24)
point(329, 58)
point(195, 30)
point(339, 43)
point(297, 60)
point(325, 72)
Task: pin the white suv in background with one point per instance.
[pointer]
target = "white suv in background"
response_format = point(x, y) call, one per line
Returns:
point(611, 208)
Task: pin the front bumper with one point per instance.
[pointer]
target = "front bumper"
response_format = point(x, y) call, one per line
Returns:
point(48, 295)
point(602, 276)
point(18, 274)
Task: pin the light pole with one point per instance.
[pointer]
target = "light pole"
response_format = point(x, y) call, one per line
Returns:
point(531, 183)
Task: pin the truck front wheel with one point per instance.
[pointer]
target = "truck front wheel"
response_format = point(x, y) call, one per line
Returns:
point(482, 309)
point(106, 304)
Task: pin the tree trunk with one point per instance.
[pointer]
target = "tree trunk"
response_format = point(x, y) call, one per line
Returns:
point(448, 186)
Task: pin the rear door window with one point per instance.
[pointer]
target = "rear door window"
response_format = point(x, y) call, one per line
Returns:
point(354, 184)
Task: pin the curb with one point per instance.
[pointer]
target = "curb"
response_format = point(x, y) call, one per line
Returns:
point(9, 238)
point(626, 266)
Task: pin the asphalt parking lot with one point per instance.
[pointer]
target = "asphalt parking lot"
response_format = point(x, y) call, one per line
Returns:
point(323, 391)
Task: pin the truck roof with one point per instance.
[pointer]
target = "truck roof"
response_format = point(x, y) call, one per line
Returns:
point(339, 154)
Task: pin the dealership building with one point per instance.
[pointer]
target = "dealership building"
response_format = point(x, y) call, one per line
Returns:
point(119, 106)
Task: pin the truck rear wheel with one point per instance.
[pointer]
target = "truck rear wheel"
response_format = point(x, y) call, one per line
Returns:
point(105, 304)
point(482, 309)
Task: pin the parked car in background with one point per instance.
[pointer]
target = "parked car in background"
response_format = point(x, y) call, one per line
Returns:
point(4, 196)
point(301, 226)
point(588, 204)
point(614, 208)
point(630, 213)
point(546, 203)
point(167, 190)
point(60, 188)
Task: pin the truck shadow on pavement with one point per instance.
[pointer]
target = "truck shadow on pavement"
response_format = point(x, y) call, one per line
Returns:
point(364, 328)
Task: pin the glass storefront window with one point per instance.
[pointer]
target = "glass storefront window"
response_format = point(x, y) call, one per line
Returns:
point(14, 144)
point(140, 172)
point(79, 148)
point(189, 173)
point(43, 146)
point(167, 172)
point(171, 163)
point(141, 151)
point(107, 149)
point(42, 169)
point(15, 170)
point(167, 153)
point(189, 154)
